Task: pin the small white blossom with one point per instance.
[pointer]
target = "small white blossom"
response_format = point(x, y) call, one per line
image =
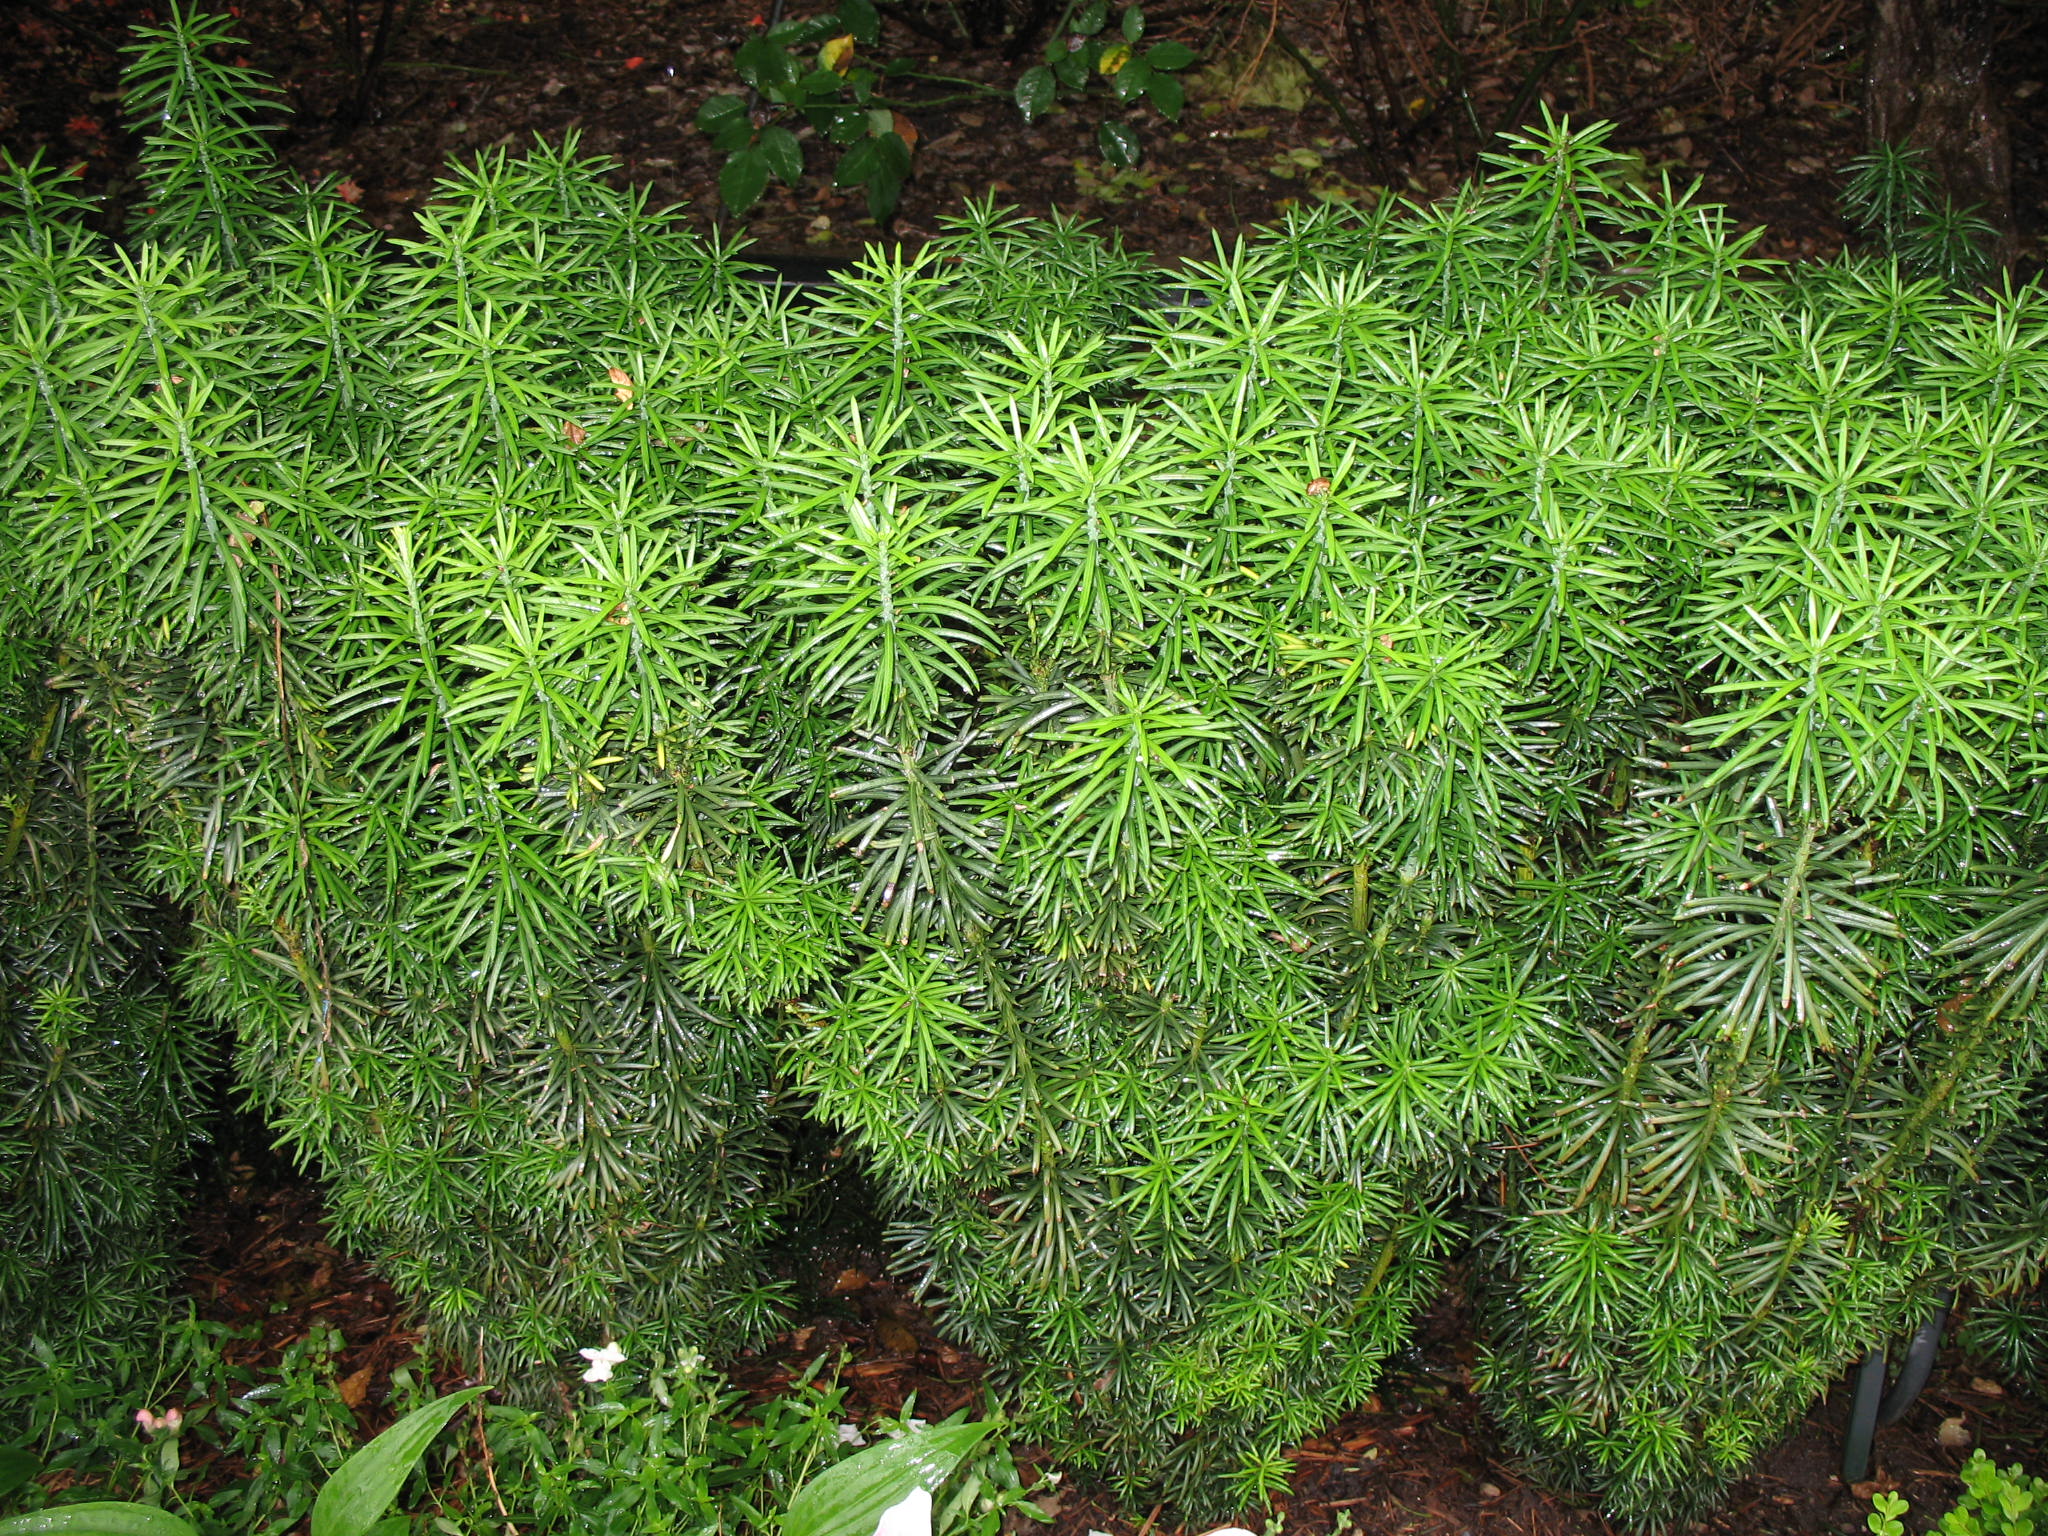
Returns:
point(849, 1434)
point(602, 1362)
point(689, 1363)
point(913, 1517)
point(908, 1425)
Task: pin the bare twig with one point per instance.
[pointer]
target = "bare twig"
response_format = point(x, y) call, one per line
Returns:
point(1367, 144)
point(1251, 70)
point(1532, 82)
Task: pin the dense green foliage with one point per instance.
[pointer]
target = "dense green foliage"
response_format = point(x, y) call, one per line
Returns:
point(1502, 718)
point(1801, 951)
point(100, 1070)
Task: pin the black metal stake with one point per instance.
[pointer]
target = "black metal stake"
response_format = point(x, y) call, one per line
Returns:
point(1872, 1406)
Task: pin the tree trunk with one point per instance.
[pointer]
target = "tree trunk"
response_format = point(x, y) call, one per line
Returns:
point(1930, 86)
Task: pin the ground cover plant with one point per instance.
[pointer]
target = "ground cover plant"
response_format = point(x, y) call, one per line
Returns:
point(1506, 719)
point(176, 1439)
point(842, 96)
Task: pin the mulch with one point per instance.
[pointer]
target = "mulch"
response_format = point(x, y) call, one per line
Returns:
point(262, 1262)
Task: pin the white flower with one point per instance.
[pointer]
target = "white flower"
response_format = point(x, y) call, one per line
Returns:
point(913, 1517)
point(602, 1362)
point(849, 1434)
point(689, 1363)
point(908, 1426)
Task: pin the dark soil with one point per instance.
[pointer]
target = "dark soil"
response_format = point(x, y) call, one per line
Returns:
point(1421, 1458)
point(260, 1256)
point(1756, 97)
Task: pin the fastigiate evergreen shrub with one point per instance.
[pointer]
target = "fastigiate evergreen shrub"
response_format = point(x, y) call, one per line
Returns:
point(1798, 949)
point(103, 1075)
point(262, 466)
point(1505, 719)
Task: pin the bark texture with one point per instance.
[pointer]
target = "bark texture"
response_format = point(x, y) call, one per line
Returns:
point(1930, 86)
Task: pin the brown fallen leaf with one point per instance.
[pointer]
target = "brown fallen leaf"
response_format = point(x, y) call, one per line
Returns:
point(1952, 1433)
point(849, 1280)
point(348, 190)
point(895, 1338)
point(354, 1387)
point(574, 433)
point(1987, 1386)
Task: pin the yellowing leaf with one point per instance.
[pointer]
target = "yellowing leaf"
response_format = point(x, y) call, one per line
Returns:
point(1114, 59)
point(837, 54)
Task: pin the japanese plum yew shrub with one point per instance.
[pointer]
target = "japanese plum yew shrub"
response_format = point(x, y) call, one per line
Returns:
point(1509, 720)
point(1795, 955)
point(101, 1071)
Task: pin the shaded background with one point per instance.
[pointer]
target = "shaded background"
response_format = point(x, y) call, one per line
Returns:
point(1293, 100)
